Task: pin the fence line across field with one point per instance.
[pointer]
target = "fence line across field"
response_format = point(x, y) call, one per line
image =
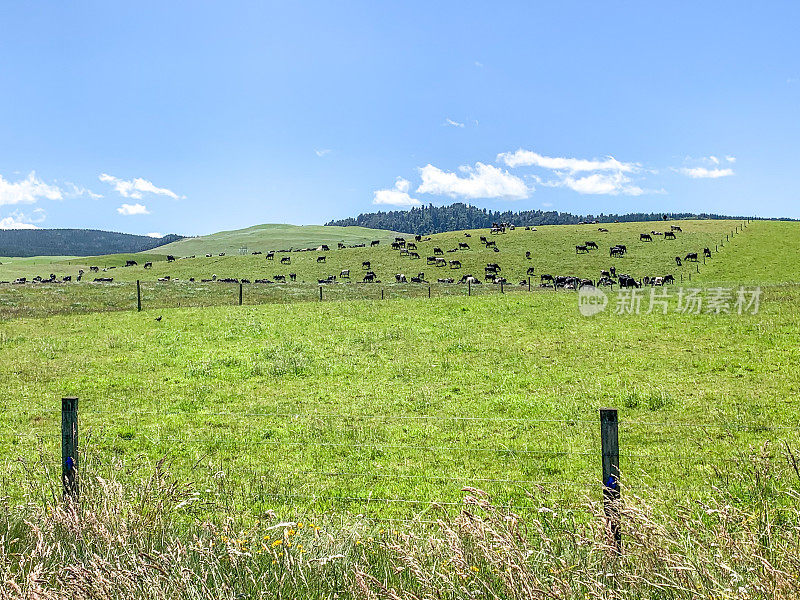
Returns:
point(728, 425)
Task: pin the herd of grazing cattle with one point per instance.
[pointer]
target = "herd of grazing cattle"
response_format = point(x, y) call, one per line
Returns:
point(435, 257)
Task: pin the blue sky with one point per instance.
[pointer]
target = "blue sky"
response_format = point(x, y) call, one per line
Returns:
point(195, 117)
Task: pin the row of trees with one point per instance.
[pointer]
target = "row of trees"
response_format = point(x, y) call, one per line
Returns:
point(436, 219)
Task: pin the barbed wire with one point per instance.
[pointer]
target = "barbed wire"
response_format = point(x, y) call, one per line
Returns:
point(732, 425)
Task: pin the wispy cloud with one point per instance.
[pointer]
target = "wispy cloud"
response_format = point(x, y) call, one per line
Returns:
point(480, 181)
point(322, 151)
point(27, 191)
point(451, 123)
point(72, 190)
point(478, 64)
point(133, 209)
point(155, 235)
point(528, 158)
point(704, 173)
point(136, 188)
point(730, 159)
point(397, 196)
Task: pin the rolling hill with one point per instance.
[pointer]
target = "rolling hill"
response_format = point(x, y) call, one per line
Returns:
point(273, 237)
point(74, 242)
point(763, 253)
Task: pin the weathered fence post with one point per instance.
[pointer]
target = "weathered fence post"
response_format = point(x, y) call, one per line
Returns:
point(320, 293)
point(529, 284)
point(381, 293)
point(138, 296)
point(240, 293)
point(501, 288)
point(609, 441)
point(69, 447)
point(469, 287)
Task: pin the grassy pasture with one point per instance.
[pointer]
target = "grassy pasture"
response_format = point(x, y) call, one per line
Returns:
point(763, 253)
point(552, 251)
point(273, 236)
point(318, 407)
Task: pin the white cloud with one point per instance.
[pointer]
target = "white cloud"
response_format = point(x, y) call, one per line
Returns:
point(451, 123)
point(13, 223)
point(478, 64)
point(18, 220)
point(599, 183)
point(528, 158)
point(397, 196)
point(703, 173)
point(76, 191)
point(714, 159)
point(730, 159)
point(136, 188)
point(547, 204)
point(133, 209)
point(481, 181)
point(322, 152)
point(155, 235)
point(27, 191)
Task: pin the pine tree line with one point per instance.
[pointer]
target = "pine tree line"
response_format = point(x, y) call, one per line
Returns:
point(437, 219)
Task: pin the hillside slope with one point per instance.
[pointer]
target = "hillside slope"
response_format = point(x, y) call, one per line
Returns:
point(762, 252)
point(274, 237)
point(75, 242)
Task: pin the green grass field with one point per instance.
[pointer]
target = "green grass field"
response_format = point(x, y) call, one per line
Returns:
point(273, 237)
point(310, 406)
point(552, 251)
point(209, 436)
point(761, 253)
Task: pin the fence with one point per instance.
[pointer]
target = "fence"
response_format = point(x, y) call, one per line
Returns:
point(403, 466)
point(51, 299)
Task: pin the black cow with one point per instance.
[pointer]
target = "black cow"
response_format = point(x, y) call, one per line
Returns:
point(581, 250)
point(320, 259)
point(130, 263)
point(148, 265)
point(438, 252)
point(706, 253)
point(365, 264)
point(645, 237)
point(692, 256)
point(591, 245)
point(463, 246)
point(669, 235)
point(170, 258)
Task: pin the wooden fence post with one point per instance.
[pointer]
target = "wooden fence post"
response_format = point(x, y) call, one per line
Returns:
point(320, 293)
point(69, 447)
point(609, 440)
point(529, 284)
point(469, 287)
point(240, 293)
point(138, 296)
point(429, 291)
point(381, 293)
point(501, 288)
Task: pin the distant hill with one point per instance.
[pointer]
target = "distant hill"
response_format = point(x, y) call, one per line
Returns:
point(458, 216)
point(274, 237)
point(75, 242)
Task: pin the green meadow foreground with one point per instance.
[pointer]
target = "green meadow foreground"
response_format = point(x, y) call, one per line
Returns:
point(347, 416)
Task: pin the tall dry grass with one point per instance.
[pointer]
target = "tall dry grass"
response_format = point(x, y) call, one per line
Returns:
point(159, 539)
